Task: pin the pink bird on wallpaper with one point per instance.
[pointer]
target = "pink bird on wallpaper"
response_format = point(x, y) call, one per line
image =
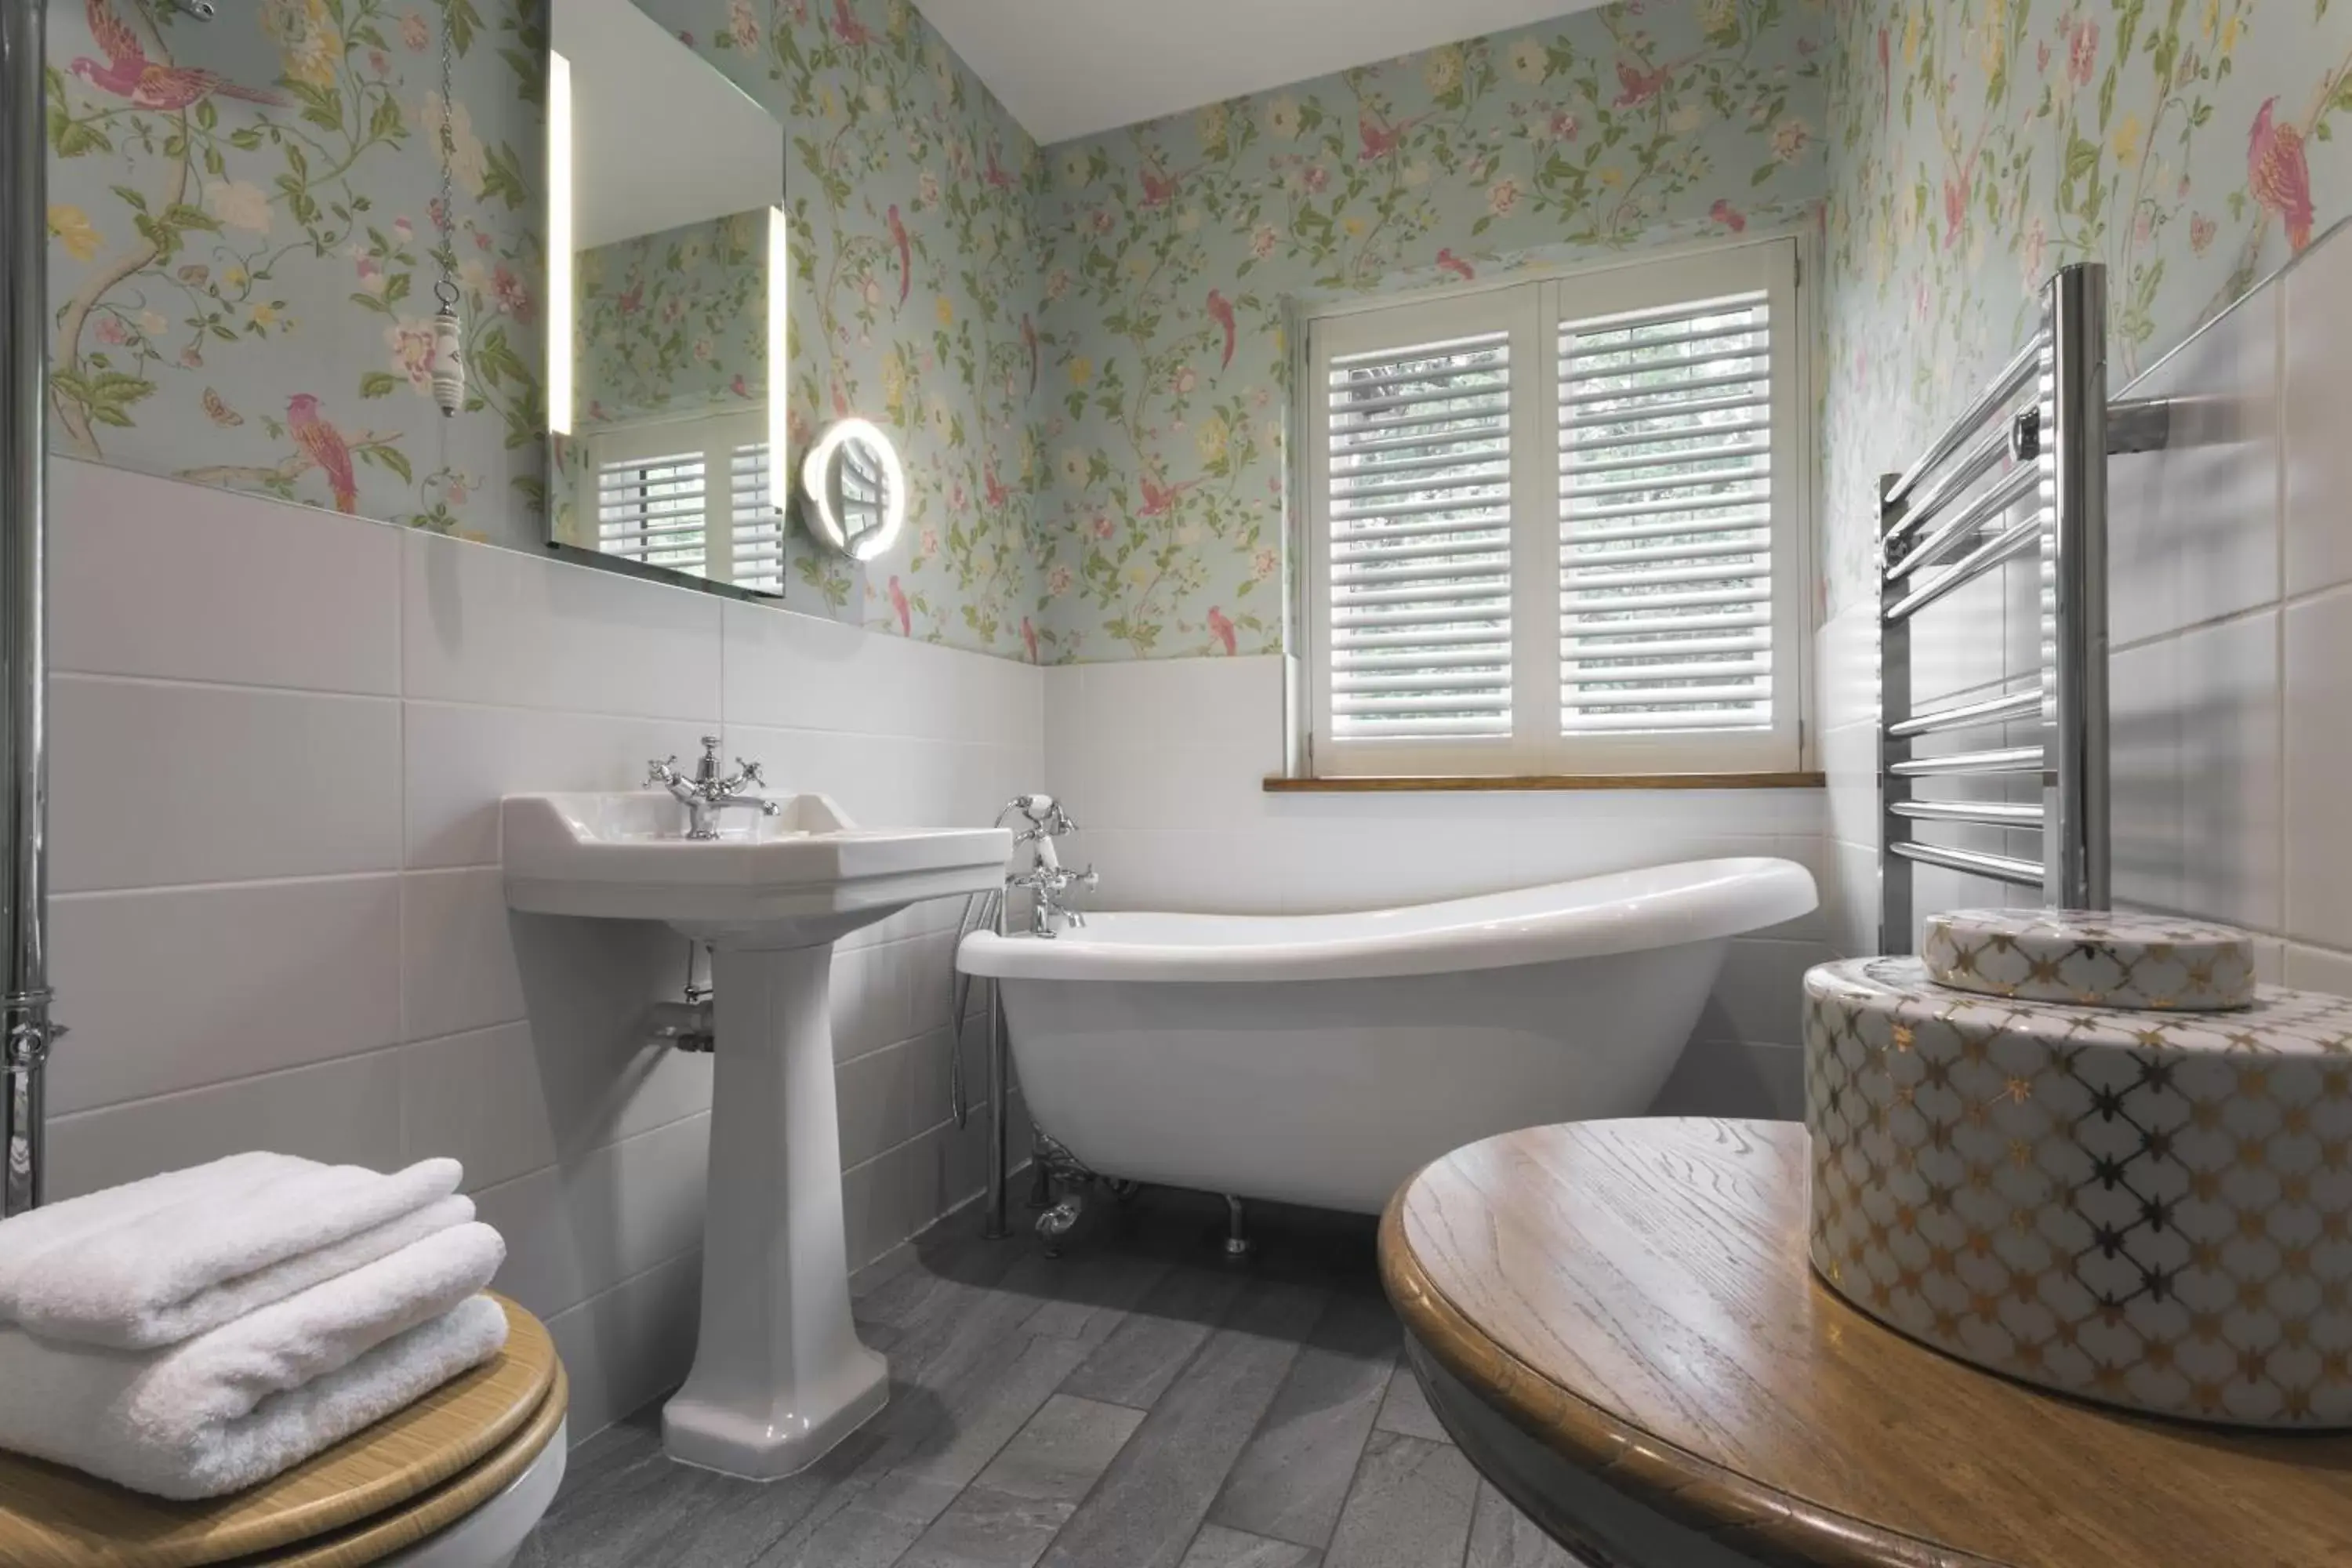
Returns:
point(129, 73)
point(996, 173)
point(1729, 217)
point(906, 251)
point(325, 447)
point(997, 494)
point(1223, 626)
point(1029, 636)
point(1638, 87)
point(1029, 338)
point(1220, 310)
point(2279, 176)
point(848, 28)
point(906, 611)
point(1449, 262)
point(1159, 186)
point(1160, 500)
point(1376, 141)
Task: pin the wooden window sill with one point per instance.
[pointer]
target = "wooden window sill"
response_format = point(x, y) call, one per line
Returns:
point(1472, 783)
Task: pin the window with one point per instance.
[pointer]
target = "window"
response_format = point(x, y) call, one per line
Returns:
point(1554, 528)
point(692, 495)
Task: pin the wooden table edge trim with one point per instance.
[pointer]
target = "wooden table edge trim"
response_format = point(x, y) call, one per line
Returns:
point(1707, 1497)
point(372, 1539)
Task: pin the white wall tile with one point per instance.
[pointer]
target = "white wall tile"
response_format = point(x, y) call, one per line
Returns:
point(2319, 969)
point(150, 577)
point(477, 1098)
point(2193, 528)
point(2318, 388)
point(892, 1095)
point(175, 989)
point(343, 1112)
point(458, 965)
point(458, 760)
point(499, 626)
point(1720, 1077)
point(160, 783)
point(2318, 765)
point(630, 1344)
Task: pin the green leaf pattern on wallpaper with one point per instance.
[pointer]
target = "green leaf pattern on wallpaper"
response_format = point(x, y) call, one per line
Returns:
point(2187, 144)
point(1171, 246)
point(242, 217)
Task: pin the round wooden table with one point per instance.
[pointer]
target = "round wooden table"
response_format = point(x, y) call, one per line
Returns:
point(1617, 1321)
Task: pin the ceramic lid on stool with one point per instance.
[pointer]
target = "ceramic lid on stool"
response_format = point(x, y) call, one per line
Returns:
point(2092, 958)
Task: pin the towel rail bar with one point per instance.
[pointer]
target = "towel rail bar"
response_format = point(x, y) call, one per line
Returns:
point(2007, 760)
point(1993, 812)
point(1992, 710)
point(2012, 489)
point(1974, 565)
point(1999, 867)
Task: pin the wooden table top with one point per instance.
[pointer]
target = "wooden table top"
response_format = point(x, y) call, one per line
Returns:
point(1635, 1296)
point(51, 1516)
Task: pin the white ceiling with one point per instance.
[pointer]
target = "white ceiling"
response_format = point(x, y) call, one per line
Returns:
point(1071, 68)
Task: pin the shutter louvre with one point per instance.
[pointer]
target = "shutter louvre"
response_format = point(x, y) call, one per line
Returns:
point(1666, 520)
point(1418, 443)
point(759, 530)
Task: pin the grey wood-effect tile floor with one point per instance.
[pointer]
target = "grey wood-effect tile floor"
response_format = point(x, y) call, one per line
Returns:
point(1137, 1403)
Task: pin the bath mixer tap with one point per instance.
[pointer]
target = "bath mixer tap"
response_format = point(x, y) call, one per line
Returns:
point(1046, 881)
point(705, 793)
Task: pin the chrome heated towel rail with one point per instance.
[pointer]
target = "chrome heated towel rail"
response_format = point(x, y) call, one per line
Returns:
point(2021, 473)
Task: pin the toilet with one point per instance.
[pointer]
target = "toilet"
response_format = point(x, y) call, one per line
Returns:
point(456, 1480)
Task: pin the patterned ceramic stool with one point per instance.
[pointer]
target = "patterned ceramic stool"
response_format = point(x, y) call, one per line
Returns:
point(2140, 1195)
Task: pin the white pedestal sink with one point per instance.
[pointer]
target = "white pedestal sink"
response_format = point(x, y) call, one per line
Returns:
point(779, 1374)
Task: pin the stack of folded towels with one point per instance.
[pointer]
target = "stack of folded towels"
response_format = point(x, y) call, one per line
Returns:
point(201, 1330)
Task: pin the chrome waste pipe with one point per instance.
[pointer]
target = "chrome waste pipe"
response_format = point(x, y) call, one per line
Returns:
point(25, 1032)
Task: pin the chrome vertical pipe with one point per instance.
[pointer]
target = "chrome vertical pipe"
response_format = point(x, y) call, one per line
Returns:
point(25, 1028)
point(1000, 1119)
point(1894, 747)
point(2075, 467)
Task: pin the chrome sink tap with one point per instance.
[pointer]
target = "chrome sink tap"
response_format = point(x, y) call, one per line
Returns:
point(706, 794)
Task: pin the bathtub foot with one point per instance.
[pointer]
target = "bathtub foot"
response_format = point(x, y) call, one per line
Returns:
point(1059, 1221)
point(1237, 1241)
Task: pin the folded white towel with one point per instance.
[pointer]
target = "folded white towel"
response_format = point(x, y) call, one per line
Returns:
point(258, 1396)
point(161, 1260)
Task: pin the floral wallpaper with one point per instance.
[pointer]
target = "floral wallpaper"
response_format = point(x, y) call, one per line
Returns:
point(242, 216)
point(1169, 247)
point(2190, 145)
point(914, 297)
point(678, 317)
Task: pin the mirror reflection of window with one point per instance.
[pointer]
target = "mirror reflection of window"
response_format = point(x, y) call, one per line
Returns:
point(664, 461)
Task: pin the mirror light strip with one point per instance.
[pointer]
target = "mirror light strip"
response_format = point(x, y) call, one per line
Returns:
point(559, 244)
point(779, 261)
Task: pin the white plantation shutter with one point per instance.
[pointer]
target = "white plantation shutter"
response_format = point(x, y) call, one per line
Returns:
point(1419, 448)
point(758, 561)
point(1553, 527)
point(695, 495)
point(1665, 431)
point(652, 509)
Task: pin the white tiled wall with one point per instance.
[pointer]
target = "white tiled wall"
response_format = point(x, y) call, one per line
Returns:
point(1163, 764)
point(278, 740)
point(2231, 613)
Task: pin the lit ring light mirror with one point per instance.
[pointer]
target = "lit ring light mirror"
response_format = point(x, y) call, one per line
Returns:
point(855, 490)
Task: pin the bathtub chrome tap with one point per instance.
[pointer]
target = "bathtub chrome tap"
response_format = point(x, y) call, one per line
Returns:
point(706, 794)
point(1047, 887)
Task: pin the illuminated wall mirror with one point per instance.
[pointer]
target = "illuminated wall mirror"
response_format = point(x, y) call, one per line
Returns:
point(667, 251)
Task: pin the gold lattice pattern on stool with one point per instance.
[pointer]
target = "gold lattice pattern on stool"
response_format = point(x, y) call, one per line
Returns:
point(2149, 1209)
point(2092, 958)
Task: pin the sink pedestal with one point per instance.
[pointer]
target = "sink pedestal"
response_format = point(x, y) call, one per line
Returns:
point(779, 1374)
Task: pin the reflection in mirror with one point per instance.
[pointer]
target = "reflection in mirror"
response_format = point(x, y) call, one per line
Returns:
point(856, 491)
point(667, 249)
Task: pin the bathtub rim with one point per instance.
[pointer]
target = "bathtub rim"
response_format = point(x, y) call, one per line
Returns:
point(1670, 905)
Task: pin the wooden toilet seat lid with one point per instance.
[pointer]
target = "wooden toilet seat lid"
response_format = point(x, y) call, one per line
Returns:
point(51, 1516)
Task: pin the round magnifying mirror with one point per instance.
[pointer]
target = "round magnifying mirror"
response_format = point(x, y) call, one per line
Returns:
point(856, 491)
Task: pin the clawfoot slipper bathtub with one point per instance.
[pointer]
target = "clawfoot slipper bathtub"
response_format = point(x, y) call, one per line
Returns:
point(1322, 1059)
